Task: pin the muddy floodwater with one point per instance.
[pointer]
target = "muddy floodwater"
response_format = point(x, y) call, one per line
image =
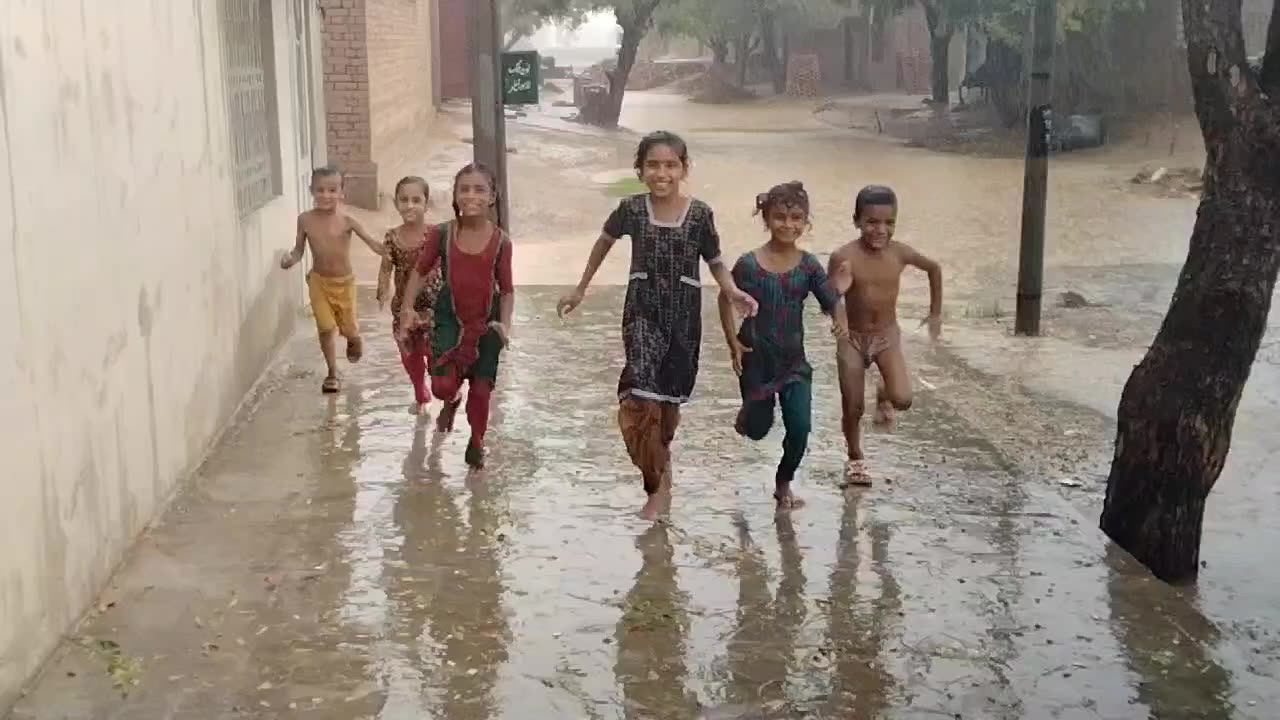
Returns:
point(335, 559)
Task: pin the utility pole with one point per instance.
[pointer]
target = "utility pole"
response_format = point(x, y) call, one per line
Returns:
point(488, 122)
point(1036, 183)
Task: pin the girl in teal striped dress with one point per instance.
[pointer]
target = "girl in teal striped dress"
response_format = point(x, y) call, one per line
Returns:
point(768, 350)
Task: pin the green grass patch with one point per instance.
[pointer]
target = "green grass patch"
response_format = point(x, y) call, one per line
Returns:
point(624, 187)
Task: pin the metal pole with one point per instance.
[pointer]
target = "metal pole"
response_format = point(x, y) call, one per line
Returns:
point(488, 123)
point(1036, 182)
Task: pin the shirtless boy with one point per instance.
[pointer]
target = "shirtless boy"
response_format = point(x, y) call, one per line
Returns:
point(877, 261)
point(330, 283)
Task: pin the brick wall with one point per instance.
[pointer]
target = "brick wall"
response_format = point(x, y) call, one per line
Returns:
point(401, 102)
point(378, 87)
point(346, 98)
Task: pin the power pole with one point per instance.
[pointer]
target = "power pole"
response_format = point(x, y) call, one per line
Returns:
point(1035, 186)
point(488, 122)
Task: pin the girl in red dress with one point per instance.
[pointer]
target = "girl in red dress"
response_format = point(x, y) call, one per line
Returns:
point(472, 313)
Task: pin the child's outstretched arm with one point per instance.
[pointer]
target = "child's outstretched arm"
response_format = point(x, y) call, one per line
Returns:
point(599, 252)
point(507, 293)
point(428, 260)
point(299, 247)
point(384, 280)
point(359, 230)
point(740, 300)
point(934, 270)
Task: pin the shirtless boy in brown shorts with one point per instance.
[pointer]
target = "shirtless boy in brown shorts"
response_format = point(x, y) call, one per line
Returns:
point(871, 305)
point(331, 282)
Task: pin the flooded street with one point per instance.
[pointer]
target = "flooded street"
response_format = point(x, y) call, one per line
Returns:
point(335, 559)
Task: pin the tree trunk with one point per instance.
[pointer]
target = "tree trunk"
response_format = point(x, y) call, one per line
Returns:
point(940, 70)
point(720, 50)
point(743, 54)
point(769, 46)
point(634, 28)
point(1178, 408)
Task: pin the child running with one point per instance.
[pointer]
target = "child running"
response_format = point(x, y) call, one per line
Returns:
point(768, 351)
point(472, 313)
point(401, 253)
point(662, 318)
point(876, 262)
point(330, 283)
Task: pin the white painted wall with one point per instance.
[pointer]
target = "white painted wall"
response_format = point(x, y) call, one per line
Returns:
point(136, 307)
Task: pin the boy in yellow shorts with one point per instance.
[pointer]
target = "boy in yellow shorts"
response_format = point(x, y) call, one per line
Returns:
point(331, 282)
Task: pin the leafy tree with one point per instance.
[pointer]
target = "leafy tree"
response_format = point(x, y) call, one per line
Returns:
point(522, 18)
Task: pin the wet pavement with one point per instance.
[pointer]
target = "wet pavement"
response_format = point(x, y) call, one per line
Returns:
point(334, 559)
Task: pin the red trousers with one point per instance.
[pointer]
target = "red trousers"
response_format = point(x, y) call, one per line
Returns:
point(449, 389)
point(416, 360)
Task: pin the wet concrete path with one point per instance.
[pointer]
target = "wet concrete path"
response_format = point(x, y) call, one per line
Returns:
point(334, 559)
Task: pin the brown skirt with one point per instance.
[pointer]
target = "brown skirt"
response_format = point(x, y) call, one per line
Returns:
point(648, 427)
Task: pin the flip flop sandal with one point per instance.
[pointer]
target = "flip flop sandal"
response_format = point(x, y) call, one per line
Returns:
point(355, 350)
point(331, 385)
point(856, 475)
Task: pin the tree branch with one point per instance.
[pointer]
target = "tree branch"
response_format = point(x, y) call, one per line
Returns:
point(1270, 78)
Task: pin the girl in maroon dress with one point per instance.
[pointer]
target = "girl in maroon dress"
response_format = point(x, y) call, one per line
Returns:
point(472, 314)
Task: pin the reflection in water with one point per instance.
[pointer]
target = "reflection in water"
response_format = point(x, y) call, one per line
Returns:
point(1166, 643)
point(862, 685)
point(1004, 535)
point(651, 637)
point(762, 649)
point(459, 621)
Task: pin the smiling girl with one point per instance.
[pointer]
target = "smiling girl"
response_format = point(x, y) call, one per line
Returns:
point(671, 234)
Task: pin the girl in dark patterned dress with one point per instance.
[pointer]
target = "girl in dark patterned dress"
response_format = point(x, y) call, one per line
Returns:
point(768, 349)
point(662, 319)
point(402, 246)
point(472, 314)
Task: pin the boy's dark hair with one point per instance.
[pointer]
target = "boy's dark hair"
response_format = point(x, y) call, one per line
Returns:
point(327, 171)
point(414, 180)
point(874, 195)
point(480, 169)
point(786, 195)
point(662, 137)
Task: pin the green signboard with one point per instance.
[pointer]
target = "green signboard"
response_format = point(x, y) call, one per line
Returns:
point(520, 78)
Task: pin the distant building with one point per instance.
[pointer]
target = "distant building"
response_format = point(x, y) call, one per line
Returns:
point(383, 82)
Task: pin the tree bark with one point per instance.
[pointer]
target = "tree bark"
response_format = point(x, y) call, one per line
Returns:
point(720, 50)
point(769, 46)
point(940, 31)
point(743, 58)
point(940, 67)
point(1178, 408)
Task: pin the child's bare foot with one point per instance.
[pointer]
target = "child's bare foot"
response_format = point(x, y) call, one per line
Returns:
point(652, 508)
point(855, 474)
point(885, 414)
point(786, 501)
point(355, 349)
point(444, 422)
point(331, 385)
